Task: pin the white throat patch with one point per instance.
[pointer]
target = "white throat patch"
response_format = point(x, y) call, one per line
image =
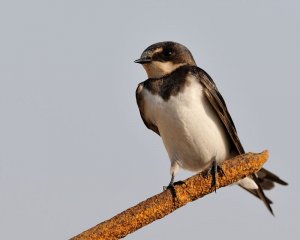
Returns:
point(157, 69)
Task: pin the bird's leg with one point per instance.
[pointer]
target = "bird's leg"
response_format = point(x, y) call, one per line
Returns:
point(174, 169)
point(171, 184)
point(214, 174)
point(215, 168)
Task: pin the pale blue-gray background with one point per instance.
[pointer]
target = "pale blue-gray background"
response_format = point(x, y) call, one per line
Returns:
point(73, 149)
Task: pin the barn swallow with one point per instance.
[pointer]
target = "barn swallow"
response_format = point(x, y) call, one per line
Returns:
point(181, 103)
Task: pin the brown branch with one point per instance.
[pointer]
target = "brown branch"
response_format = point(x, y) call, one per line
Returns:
point(164, 203)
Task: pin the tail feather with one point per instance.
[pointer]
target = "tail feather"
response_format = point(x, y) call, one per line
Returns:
point(255, 194)
point(265, 180)
point(261, 194)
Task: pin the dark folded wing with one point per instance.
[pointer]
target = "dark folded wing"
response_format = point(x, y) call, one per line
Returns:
point(141, 105)
point(218, 103)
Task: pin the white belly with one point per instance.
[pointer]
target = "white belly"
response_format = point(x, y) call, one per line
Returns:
point(191, 130)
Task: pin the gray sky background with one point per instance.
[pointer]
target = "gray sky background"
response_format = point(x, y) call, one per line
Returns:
point(74, 151)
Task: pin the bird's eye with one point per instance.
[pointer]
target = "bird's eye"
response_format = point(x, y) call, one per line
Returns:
point(168, 53)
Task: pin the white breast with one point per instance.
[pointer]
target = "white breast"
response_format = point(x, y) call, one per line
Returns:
point(191, 130)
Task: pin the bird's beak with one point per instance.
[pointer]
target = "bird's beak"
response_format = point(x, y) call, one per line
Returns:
point(143, 60)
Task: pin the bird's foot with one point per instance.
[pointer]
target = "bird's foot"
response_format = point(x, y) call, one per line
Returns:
point(172, 189)
point(214, 170)
point(173, 184)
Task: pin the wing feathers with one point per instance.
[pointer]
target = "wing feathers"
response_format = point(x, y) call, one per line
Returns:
point(218, 103)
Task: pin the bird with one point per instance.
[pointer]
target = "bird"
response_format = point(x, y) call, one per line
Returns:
point(181, 103)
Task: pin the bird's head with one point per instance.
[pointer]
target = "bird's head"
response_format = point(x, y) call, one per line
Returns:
point(161, 59)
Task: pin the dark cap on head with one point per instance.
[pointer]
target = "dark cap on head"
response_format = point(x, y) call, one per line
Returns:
point(167, 52)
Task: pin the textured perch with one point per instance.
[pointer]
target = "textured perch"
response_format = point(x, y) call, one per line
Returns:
point(164, 203)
